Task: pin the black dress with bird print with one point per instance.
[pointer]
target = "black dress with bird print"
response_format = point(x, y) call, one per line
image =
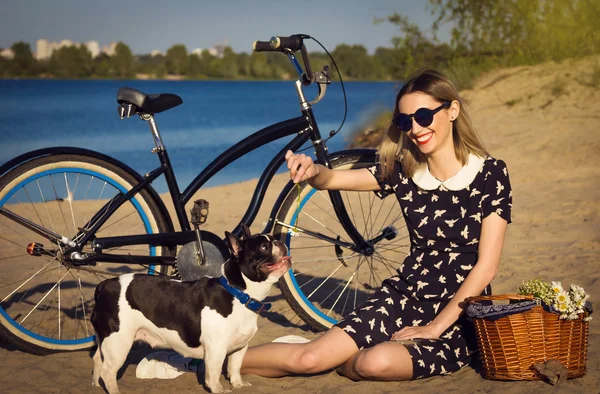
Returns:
point(444, 222)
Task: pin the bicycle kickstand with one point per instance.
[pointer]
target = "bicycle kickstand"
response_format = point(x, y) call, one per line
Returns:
point(199, 214)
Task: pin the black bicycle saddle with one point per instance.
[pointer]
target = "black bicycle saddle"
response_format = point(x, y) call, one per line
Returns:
point(148, 103)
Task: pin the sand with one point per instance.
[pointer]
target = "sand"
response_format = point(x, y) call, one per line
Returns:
point(543, 122)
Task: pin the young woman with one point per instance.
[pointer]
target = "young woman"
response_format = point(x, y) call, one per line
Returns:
point(456, 201)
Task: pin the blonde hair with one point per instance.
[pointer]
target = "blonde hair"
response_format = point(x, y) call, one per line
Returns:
point(396, 145)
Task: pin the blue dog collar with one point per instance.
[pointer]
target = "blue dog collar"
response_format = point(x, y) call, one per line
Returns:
point(245, 299)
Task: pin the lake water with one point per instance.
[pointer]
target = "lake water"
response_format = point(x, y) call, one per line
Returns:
point(215, 114)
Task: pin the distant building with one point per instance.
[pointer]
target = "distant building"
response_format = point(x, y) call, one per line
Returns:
point(197, 51)
point(65, 43)
point(156, 52)
point(7, 53)
point(42, 50)
point(218, 50)
point(93, 47)
point(110, 49)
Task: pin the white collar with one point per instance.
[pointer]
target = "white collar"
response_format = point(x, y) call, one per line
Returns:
point(463, 178)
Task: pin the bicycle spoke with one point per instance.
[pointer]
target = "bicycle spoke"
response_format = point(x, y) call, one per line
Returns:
point(32, 205)
point(386, 263)
point(317, 267)
point(78, 280)
point(45, 205)
point(70, 195)
point(325, 280)
point(118, 221)
point(43, 298)
point(24, 283)
point(12, 229)
point(320, 260)
point(41, 316)
point(58, 202)
point(362, 211)
point(394, 249)
point(102, 191)
point(341, 293)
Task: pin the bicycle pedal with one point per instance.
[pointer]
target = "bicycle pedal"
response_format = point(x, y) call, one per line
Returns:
point(199, 213)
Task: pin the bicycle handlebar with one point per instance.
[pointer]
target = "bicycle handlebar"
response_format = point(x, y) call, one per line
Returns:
point(289, 45)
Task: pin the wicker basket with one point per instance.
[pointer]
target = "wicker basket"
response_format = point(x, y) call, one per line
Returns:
point(511, 345)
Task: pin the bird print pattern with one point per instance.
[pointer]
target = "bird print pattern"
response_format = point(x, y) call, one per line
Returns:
point(443, 252)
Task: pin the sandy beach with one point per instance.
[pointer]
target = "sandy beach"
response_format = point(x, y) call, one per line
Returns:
point(543, 121)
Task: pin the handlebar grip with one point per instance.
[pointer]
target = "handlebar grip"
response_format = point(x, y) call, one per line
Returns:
point(292, 43)
point(263, 46)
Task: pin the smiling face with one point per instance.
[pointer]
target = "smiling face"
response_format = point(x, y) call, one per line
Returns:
point(438, 135)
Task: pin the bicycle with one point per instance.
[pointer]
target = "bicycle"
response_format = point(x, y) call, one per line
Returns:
point(77, 216)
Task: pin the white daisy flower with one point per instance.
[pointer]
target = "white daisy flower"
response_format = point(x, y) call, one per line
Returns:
point(572, 316)
point(562, 297)
point(557, 287)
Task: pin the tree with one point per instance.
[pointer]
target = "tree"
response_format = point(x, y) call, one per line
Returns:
point(22, 64)
point(122, 62)
point(354, 62)
point(177, 60)
point(72, 62)
point(229, 67)
point(195, 67)
point(259, 66)
point(522, 31)
point(102, 66)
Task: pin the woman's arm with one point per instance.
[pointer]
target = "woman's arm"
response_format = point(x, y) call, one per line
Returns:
point(302, 168)
point(493, 229)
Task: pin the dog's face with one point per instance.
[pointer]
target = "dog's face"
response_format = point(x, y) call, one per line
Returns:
point(260, 257)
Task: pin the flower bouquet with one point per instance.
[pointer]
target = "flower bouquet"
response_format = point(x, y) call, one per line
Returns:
point(571, 304)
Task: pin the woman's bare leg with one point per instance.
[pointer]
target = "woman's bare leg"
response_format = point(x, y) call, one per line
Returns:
point(386, 361)
point(279, 359)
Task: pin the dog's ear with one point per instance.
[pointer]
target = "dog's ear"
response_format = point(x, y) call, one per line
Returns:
point(235, 245)
point(246, 231)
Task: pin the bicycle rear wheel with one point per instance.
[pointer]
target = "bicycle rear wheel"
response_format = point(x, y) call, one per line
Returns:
point(325, 282)
point(45, 301)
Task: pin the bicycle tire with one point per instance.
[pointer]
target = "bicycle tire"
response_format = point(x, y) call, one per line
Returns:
point(68, 297)
point(315, 262)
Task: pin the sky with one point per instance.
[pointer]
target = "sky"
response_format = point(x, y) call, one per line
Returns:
point(158, 24)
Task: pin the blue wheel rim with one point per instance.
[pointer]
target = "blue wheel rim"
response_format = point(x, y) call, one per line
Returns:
point(89, 340)
point(295, 284)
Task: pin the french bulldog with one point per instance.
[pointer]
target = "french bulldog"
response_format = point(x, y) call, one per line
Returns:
point(210, 318)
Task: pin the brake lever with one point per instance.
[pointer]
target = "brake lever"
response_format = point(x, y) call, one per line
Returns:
point(322, 79)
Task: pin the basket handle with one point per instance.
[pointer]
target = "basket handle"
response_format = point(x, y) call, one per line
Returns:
point(519, 297)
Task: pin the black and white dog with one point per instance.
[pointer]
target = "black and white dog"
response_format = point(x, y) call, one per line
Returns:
point(209, 318)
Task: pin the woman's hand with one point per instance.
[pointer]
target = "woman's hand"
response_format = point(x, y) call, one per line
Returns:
point(412, 332)
point(301, 166)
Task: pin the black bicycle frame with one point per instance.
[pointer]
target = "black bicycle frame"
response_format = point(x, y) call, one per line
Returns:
point(304, 126)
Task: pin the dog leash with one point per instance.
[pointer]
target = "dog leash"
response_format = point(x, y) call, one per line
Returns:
point(245, 299)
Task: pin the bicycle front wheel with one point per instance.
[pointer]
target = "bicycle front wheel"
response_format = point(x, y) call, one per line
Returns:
point(328, 282)
point(46, 301)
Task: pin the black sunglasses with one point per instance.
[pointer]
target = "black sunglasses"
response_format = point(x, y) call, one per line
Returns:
point(423, 116)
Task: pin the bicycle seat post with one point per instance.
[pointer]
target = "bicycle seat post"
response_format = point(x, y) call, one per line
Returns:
point(155, 133)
